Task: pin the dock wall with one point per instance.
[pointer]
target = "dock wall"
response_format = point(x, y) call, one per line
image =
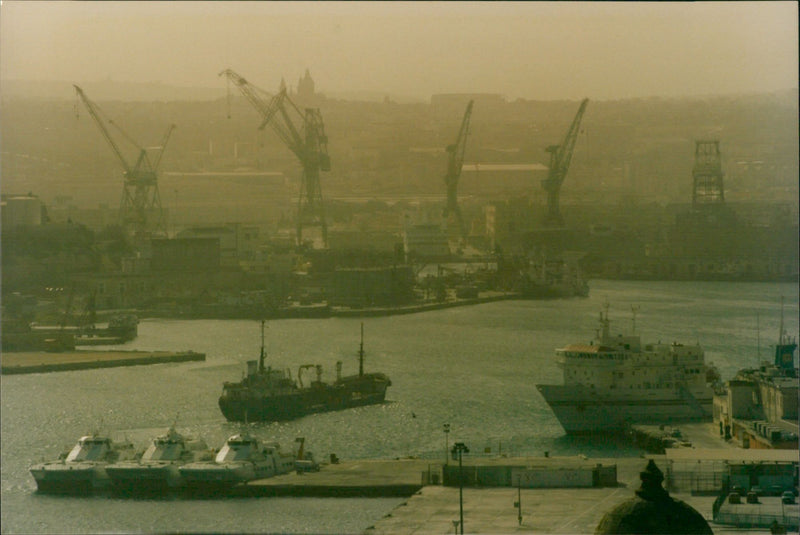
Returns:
point(19, 363)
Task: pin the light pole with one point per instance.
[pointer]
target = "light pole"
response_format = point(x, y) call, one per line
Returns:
point(518, 505)
point(459, 448)
point(446, 444)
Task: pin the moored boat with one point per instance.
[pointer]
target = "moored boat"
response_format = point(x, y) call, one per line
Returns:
point(616, 381)
point(242, 458)
point(267, 394)
point(83, 469)
point(157, 470)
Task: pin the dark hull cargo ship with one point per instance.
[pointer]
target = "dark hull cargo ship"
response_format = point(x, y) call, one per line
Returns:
point(267, 395)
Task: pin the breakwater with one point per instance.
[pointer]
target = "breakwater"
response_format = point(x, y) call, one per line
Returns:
point(42, 362)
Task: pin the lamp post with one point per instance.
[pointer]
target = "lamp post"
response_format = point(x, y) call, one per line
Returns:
point(459, 448)
point(446, 428)
point(518, 505)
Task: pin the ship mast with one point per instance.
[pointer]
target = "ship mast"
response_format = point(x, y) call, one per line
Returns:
point(361, 353)
point(604, 323)
point(261, 357)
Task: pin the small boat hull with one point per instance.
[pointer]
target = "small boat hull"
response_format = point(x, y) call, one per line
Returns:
point(145, 478)
point(70, 478)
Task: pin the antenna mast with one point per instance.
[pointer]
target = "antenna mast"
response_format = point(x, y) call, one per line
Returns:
point(758, 341)
point(361, 353)
point(261, 357)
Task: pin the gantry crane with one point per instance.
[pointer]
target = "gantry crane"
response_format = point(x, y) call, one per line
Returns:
point(455, 160)
point(309, 143)
point(560, 156)
point(140, 195)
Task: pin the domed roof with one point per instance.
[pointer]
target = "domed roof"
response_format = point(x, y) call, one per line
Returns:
point(653, 511)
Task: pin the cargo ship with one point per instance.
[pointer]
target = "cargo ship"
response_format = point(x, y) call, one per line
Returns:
point(616, 381)
point(266, 394)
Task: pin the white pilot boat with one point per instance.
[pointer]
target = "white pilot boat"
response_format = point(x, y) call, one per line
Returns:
point(157, 470)
point(614, 382)
point(243, 458)
point(83, 468)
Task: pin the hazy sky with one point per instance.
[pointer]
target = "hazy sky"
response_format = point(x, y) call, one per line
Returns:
point(535, 50)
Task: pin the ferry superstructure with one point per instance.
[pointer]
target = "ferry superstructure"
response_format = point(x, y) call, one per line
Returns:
point(616, 381)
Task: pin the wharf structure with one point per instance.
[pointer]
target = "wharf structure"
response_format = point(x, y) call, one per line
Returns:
point(758, 407)
point(707, 471)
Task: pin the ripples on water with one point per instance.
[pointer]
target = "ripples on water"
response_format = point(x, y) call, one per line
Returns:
point(473, 367)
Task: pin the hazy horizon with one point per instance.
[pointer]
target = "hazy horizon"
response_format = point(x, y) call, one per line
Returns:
point(531, 50)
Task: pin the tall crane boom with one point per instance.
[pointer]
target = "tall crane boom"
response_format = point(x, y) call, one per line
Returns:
point(455, 161)
point(560, 157)
point(95, 113)
point(140, 196)
point(308, 142)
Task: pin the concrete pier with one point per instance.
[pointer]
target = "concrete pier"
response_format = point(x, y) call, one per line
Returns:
point(543, 510)
point(41, 362)
point(366, 478)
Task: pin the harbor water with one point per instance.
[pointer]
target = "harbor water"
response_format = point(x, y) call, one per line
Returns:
point(473, 367)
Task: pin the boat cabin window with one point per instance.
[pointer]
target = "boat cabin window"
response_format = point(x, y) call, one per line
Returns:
point(88, 450)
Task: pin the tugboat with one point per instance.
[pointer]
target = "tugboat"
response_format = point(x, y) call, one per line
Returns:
point(616, 381)
point(83, 469)
point(157, 469)
point(243, 458)
point(272, 395)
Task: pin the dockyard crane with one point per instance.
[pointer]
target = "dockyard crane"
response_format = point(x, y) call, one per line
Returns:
point(140, 196)
point(308, 142)
point(560, 157)
point(455, 161)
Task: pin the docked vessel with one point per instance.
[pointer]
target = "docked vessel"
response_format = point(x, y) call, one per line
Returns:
point(266, 394)
point(157, 470)
point(83, 469)
point(243, 458)
point(552, 278)
point(616, 381)
point(758, 407)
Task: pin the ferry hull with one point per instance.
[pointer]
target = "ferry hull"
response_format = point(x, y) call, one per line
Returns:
point(581, 410)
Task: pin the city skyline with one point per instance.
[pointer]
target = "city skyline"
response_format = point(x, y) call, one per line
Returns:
point(532, 50)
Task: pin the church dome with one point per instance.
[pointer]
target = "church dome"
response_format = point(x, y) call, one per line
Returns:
point(653, 511)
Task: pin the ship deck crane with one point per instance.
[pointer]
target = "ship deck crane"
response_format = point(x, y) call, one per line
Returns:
point(560, 157)
point(140, 196)
point(454, 163)
point(308, 142)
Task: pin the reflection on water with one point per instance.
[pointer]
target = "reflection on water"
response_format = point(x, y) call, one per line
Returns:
point(472, 367)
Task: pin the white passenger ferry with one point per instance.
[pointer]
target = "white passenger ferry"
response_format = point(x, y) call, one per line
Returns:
point(615, 381)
